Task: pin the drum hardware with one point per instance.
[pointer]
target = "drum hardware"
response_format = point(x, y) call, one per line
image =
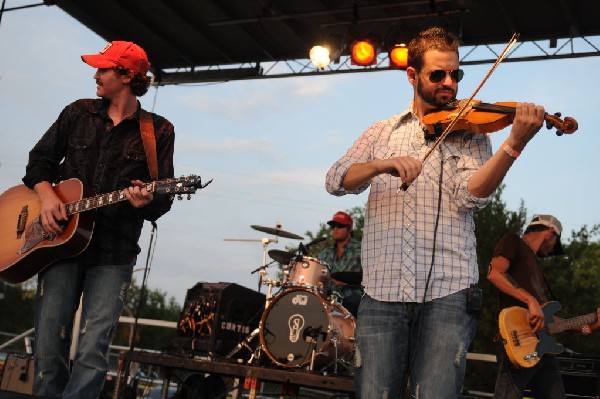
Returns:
point(277, 231)
point(245, 344)
point(283, 257)
point(337, 359)
point(348, 278)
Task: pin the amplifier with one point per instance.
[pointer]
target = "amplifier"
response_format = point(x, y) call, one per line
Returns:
point(215, 317)
point(18, 373)
point(581, 375)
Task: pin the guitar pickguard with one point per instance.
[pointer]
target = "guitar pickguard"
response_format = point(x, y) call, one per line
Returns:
point(34, 234)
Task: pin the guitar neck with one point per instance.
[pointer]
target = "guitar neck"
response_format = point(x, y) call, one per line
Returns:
point(101, 200)
point(568, 324)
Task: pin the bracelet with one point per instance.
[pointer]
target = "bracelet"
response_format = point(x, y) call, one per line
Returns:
point(507, 149)
point(586, 329)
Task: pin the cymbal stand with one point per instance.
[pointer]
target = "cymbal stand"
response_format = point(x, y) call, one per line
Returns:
point(337, 360)
point(263, 269)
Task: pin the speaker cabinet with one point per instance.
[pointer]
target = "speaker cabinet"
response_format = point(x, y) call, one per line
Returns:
point(18, 373)
point(216, 317)
point(581, 376)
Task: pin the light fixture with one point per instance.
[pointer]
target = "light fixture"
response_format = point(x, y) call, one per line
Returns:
point(363, 52)
point(398, 56)
point(319, 56)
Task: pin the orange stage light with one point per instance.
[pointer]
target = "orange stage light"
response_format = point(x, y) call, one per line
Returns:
point(398, 57)
point(363, 52)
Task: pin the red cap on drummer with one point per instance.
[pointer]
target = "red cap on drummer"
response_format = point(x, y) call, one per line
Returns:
point(342, 218)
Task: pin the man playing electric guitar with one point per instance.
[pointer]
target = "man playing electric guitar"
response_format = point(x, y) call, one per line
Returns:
point(515, 270)
point(99, 142)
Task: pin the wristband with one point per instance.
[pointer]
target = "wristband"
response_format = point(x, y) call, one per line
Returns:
point(507, 149)
point(586, 330)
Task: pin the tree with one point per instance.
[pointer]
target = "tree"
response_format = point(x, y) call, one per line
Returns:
point(155, 305)
point(17, 312)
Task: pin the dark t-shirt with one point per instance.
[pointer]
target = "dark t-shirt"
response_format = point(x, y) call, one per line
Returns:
point(524, 268)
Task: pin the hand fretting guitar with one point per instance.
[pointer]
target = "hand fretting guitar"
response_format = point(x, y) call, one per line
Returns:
point(26, 249)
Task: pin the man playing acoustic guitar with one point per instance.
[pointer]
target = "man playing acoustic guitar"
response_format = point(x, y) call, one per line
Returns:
point(516, 271)
point(99, 142)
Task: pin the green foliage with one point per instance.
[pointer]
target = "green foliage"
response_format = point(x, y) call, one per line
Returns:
point(17, 310)
point(155, 306)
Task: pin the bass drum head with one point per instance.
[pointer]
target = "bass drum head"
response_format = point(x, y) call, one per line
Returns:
point(294, 324)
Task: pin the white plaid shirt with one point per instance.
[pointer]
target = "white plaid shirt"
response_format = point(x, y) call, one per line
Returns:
point(398, 234)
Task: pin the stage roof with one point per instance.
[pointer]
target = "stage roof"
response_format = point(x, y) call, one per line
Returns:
point(215, 40)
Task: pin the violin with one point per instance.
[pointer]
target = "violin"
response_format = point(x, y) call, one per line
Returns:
point(479, 117)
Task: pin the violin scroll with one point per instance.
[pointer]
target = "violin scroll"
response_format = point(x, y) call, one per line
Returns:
point(568, 125)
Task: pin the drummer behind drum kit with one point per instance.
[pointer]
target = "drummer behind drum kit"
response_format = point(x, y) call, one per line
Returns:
point(302, 326)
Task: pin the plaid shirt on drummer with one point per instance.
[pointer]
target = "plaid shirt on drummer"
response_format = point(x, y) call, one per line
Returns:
point(349, 262)
point(398, 235)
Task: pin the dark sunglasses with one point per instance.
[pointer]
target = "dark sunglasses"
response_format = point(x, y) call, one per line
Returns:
point(439, 74)
point(338, 225)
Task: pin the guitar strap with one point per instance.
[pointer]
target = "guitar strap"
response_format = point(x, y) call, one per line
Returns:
point(147, 131)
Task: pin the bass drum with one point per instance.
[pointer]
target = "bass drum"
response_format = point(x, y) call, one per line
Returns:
point(299, 321)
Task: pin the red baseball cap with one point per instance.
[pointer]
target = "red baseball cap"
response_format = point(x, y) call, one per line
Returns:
point(119, 53)
point(341, 217)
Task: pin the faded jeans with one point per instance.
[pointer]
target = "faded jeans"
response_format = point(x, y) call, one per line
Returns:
point(425, 344)
point(59, 288)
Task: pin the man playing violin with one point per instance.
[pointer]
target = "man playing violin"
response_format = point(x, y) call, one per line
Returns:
point(418, 250)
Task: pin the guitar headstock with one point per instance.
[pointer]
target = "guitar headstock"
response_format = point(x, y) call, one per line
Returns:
point(180, 185)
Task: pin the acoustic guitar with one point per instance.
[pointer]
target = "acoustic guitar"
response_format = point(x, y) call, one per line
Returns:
point(26, 249)
point(524, 348)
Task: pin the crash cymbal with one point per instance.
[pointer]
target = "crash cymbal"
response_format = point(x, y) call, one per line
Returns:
point(277, 232)
point(281, 256)
point(350, 278)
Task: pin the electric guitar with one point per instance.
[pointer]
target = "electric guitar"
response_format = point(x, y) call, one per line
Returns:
point(26, 249)
point(524, 348)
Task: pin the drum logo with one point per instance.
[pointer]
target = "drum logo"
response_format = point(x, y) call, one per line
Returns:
point(295, 322)
point(301, 300)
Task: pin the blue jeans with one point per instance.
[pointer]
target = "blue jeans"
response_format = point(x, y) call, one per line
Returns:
point(60, 286)
point(543, 379)
point(422, 344)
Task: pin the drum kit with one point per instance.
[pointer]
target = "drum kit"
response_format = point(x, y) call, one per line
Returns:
point(302, 326)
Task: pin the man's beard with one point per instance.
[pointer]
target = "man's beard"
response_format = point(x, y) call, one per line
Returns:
point(430, 98)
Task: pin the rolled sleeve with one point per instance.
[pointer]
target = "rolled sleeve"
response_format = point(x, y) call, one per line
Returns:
point(360, 152)
point(475, 150)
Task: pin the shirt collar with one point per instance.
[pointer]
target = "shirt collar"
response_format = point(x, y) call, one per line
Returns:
point(100, 106)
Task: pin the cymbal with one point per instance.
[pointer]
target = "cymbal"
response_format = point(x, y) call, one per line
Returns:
point(350, 278)
point(281, 256)
point(277, 232)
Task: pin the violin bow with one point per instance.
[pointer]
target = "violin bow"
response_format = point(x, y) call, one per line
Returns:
point(466, 103)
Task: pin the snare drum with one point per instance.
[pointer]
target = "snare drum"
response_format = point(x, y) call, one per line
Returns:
point(299, 321)
point(308, 273)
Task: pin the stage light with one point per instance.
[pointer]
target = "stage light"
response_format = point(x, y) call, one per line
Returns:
point(363, 52)
point(319, 56)
point(398, 56)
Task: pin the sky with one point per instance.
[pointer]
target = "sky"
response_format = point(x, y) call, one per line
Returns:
point(268, 144)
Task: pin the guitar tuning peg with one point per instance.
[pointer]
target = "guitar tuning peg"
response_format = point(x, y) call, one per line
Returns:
point(179, 197)
point(559, 132)
point(557, 114)
point(189, 196)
